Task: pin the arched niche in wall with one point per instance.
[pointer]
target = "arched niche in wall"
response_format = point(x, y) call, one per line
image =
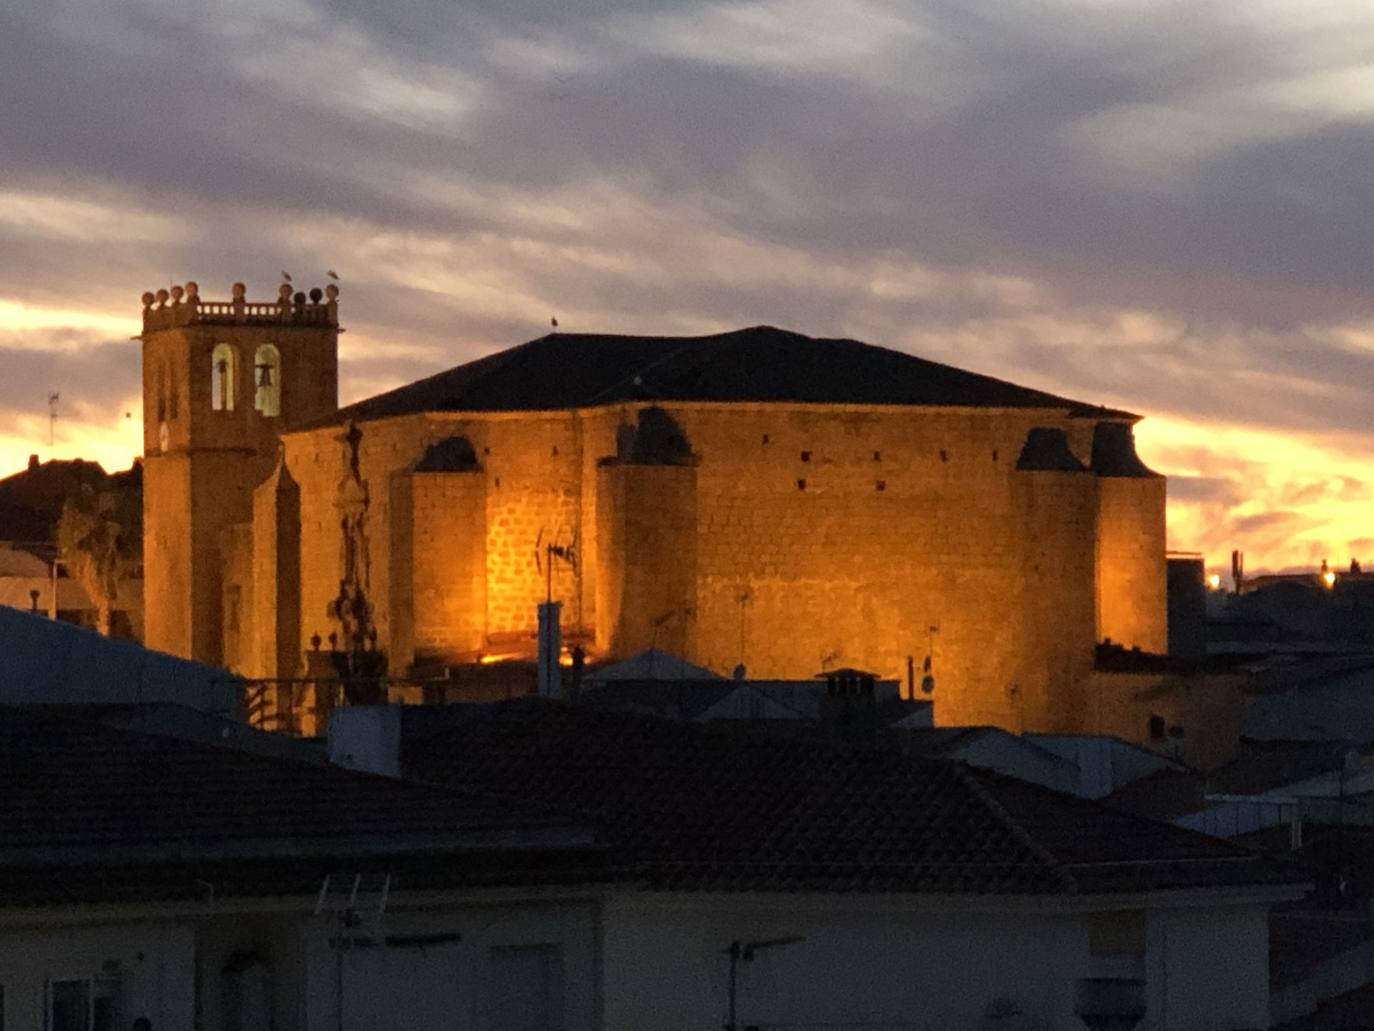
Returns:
point(267, 380)
point(450, 455)
point(656, 438)
point(1114, 453)
point(224, 361)
point(1047, 450)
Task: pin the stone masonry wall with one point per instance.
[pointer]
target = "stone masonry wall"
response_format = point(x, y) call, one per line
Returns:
point(646, 573)
point(1132, 571)
point(449, 541)
point(820, 537)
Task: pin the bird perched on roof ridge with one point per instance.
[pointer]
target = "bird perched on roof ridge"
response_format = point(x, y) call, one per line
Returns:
point(331, 274)
point(554, 322)
point(286, 276)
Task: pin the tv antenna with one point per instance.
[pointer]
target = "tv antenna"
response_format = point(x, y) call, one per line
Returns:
point(928, 673)
point(743, 598)
point(348, 904)
point(53, 398)
point(546, 554)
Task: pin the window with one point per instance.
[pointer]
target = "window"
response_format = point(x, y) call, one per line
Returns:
point(86, 1004)
point(223, 373)
point(267, 380)
point(526, 984)
point(1156, 728)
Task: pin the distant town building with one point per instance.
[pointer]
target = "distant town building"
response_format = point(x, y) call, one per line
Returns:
point(755, 497)
point(34, 574)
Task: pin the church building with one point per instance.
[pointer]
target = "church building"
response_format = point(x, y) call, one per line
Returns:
point(756, 497)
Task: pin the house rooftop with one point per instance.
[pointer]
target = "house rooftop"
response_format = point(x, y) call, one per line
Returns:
point(758, 364)
point(706, 807)
point(91, 810)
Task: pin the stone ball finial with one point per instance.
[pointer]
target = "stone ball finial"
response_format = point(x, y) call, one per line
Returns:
point(284, 291)
point(148, 298)
point(162, 296)
point(177, 294)
point(315, 294)
point(300, 297)
point(192, 290)
point(238, 291)
point(332, 292)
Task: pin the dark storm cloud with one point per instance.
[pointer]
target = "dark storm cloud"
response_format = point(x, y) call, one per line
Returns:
point(95, 376)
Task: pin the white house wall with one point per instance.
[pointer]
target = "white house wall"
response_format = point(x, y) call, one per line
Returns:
point(905, 967)
point(1208, 970)
point(666, 965)
point(444, 970)
point(153, 962)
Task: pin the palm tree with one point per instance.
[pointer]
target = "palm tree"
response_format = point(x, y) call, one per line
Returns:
point(100, 541)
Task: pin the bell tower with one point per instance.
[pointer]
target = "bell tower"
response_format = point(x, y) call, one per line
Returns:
point(222, 380)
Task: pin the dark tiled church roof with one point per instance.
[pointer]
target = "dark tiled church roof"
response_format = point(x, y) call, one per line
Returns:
point(578, 370)
point(703, 807)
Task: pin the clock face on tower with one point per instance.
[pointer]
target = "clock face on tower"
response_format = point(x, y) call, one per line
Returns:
point(163, 435)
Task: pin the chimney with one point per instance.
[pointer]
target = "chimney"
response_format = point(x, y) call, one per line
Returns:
point(33, 462)
point(550, 647)
point(367, 738)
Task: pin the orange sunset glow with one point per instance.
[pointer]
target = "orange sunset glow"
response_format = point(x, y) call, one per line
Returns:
point(963, 189)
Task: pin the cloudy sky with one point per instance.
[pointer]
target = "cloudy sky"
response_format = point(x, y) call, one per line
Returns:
point(1153, 204)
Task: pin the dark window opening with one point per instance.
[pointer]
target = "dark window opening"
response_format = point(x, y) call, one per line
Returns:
point(944, 455)
point(1156, 728)
point(994, 454)
point(877, 456)
point(801, 485)
point(882, 485)
point(765, 438)
point(806, 456)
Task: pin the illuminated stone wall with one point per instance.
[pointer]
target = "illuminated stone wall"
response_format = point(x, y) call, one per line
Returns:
point(1132, 571)
point(449, 572)
point(796, 538)
point(646, 573)
point(201, 464)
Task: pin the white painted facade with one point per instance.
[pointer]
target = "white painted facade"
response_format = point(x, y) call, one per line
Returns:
point(920, 963)
point(125, 969)
point(625, 960)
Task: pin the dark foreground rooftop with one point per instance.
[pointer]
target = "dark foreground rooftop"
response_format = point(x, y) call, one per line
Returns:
point(90, 811)
point(705, 807)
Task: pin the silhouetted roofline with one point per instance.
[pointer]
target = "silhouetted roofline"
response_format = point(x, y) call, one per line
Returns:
point(760, 364)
